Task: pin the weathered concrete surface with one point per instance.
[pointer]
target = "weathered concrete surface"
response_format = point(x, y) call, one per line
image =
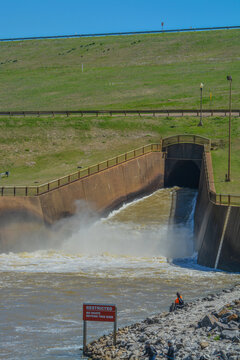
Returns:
point(106, 190)
point(230, 255)
point(19, 217)
point(100, 192)
point(209, 227)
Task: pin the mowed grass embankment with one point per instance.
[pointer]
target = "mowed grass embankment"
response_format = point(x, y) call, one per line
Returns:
point(37, 150)
point(121, 72)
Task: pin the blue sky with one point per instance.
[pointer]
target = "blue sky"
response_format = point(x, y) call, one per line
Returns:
point(22, 18)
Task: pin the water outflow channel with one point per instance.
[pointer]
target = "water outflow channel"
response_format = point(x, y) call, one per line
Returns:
point(133, 258)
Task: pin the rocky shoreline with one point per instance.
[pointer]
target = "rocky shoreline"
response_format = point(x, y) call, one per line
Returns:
point(205, 329)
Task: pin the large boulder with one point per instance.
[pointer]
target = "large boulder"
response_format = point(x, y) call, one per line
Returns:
point(208, 321)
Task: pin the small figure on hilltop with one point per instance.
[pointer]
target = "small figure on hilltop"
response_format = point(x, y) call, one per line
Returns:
point(178, 304)
point(150, 351)
point(170, 354)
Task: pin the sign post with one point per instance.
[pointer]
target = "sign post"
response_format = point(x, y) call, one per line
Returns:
point(99, 312)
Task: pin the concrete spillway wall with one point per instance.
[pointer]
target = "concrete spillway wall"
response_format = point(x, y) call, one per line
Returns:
point(217, 227)
point(101, 192)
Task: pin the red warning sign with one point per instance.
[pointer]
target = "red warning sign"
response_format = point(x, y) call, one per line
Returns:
point(98, 312)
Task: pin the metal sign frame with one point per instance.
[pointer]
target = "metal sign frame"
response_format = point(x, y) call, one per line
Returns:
point(99, 313)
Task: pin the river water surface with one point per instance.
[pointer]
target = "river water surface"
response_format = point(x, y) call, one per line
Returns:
point(133, 258)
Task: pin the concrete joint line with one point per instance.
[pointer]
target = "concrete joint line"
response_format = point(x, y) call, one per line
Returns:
point(222, 237)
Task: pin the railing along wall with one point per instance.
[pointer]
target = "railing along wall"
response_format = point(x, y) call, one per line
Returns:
point(187, 139)
point(219, 199)
point(166, 112)
point(81, 174)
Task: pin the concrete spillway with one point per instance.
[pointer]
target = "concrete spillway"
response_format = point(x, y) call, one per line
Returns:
point(175, 163)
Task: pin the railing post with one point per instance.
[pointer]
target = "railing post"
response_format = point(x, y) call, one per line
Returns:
point(2, 190)
point(58, 182)
point(14, 191)
point(37, 190)
point(69, 178)
point(98, 167)
point(125, 156)
point(78, 174)
point(88, 171)
point(134, 153)
point(229, 200)
point(117, 160)
point(48, 186)
point(107, 164)
point(26, 191)
point(220, 198)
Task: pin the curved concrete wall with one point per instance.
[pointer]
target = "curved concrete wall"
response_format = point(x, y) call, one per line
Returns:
point(19, 217)
point(100, 192)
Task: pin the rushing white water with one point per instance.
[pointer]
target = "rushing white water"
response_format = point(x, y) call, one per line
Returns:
point(132, 258)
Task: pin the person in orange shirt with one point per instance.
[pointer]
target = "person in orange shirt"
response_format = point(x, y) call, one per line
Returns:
point(179, 301)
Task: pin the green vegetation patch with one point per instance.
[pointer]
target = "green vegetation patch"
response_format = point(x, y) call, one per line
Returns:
point(124, 72)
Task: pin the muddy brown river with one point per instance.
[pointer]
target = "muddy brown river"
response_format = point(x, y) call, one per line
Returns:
point(133, 258)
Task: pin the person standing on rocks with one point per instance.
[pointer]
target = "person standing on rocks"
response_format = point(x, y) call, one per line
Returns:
point(178, 304)
point(170, 354)
point(150, 351)
point(179, 300)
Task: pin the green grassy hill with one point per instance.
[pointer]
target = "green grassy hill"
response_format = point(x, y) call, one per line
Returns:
point(127, 72)
point(123, 72)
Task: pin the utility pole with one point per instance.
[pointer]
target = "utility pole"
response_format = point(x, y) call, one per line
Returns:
point(201, 91)
point(228, 177)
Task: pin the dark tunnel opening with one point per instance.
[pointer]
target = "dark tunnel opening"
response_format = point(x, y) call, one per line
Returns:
point(184, 174)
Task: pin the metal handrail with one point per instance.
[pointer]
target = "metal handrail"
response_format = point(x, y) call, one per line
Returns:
point(80, 174)
point(188, 139)
point(153, 112)
point(219, 199)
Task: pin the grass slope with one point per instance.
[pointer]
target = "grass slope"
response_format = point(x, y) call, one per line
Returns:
point(123, 72)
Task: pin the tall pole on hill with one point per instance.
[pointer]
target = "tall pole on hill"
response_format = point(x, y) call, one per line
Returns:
point(228, 177)
point(201, 91)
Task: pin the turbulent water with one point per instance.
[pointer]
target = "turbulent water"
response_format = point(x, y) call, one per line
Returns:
point(133, 258)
